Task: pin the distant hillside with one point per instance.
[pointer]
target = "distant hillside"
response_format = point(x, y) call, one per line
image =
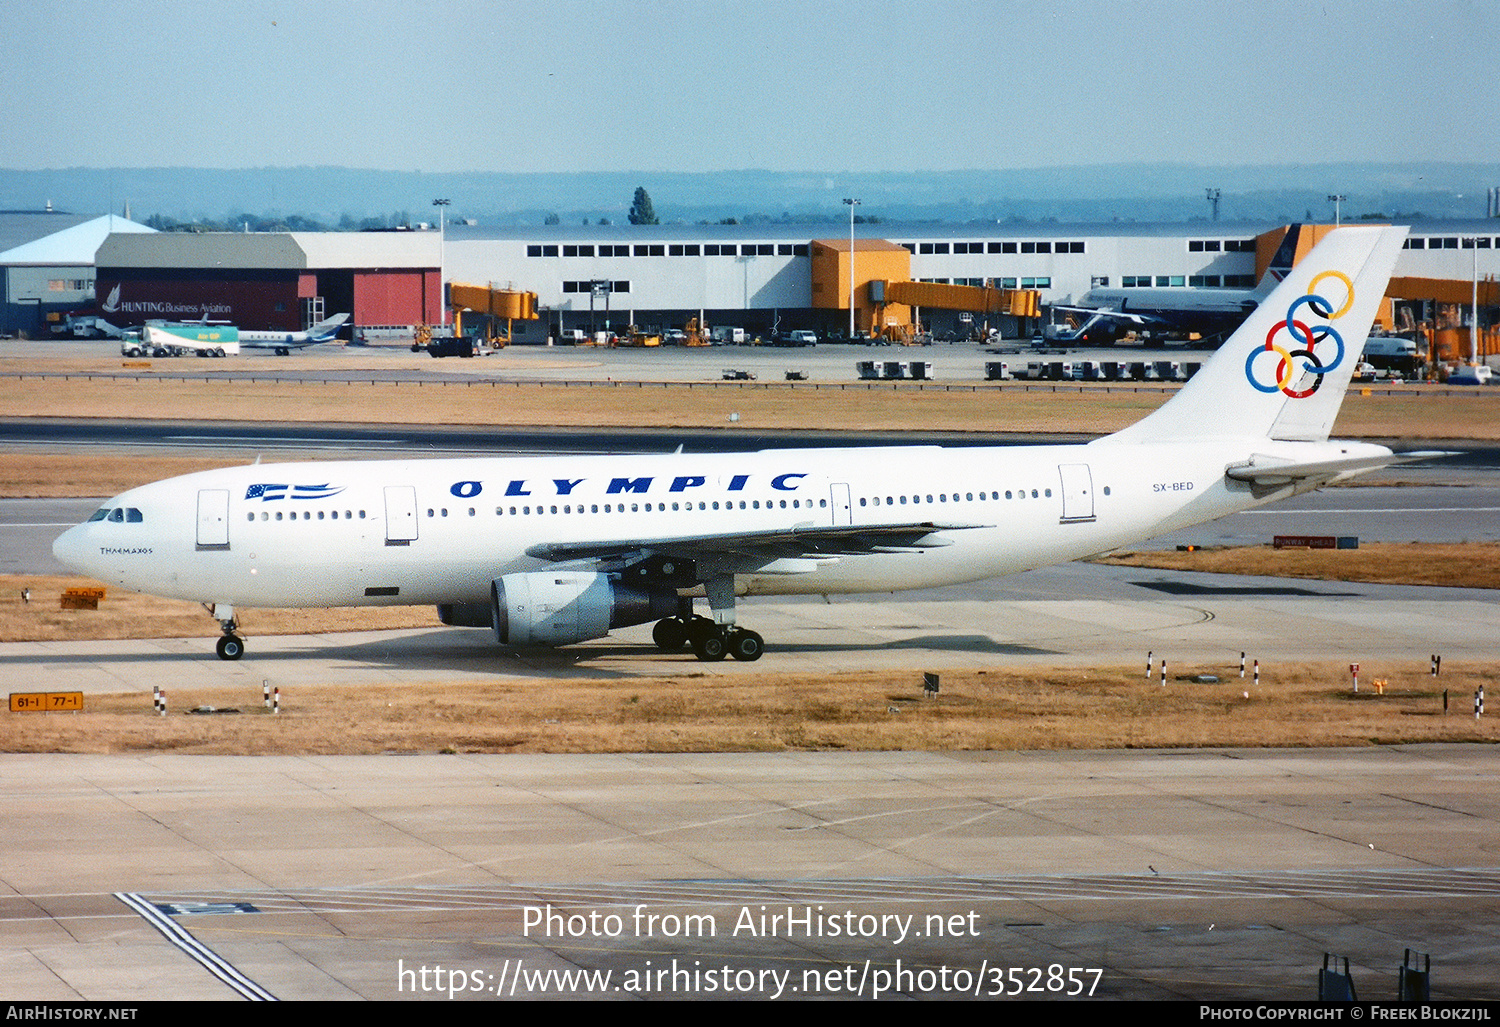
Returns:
point(1147, 192)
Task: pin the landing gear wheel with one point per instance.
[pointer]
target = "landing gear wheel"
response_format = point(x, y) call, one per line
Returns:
point(710, 648)
point(231, 647)
point(746, 645)
point(670, 635)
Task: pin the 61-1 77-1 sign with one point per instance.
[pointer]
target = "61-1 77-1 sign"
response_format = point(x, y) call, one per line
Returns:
point(45, 702)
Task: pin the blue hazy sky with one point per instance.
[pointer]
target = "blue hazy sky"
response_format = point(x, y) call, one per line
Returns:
point(703, 85)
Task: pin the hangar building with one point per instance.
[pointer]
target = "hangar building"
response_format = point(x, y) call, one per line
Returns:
point(47, 265)
point(283, 281)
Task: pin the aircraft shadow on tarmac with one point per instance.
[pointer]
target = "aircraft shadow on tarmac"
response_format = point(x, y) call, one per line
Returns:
point(1187, 588)
point(464, 651)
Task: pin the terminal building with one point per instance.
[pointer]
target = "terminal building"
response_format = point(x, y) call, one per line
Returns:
point(761, 278)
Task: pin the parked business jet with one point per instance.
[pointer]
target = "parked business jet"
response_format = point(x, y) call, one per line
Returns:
point(559, 550)
point(1208, 312)
point(284, 342)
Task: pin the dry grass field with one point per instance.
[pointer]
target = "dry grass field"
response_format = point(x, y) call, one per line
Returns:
point(834, 405)
point(991, 709)
point(1467, 565)
point(125, 614)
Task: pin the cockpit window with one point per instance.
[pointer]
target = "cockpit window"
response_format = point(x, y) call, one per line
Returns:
point(117, 516)
point(99, 515)
point(132, 515)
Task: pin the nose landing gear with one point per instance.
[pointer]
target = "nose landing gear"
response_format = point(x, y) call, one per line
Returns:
point(230, 645)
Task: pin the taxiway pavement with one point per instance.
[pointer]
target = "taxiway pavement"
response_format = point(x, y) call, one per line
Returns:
point(1169, 874)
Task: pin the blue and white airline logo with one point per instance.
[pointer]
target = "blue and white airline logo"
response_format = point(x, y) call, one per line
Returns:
point(267, 493)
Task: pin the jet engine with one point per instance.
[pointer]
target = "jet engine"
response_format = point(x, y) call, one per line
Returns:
point(563, 607)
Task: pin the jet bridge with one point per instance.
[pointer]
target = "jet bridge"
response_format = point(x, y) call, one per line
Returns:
point(1017, 303)
point(494, 304)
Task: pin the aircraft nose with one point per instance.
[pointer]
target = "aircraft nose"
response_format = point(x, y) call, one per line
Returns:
point(70, 547)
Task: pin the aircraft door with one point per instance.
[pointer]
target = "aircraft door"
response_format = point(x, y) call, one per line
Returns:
point(843, 512)
point(213, 518)
point(1077, 492)
point(400, 515)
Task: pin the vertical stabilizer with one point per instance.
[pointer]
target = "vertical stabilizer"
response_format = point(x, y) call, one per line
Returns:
point(1284, 372)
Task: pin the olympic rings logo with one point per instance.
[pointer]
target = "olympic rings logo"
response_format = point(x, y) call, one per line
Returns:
point(1305, 338)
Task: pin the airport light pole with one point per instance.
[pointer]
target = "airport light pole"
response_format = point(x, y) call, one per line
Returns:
point(442, 206)
point(852, 204)
point(1336, 199)
point(1474, 328)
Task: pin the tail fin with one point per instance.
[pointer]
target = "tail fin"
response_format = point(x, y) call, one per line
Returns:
point(1284, 372)
point(326, 329)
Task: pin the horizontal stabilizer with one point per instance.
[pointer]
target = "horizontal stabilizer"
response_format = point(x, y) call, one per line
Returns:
point(1270, 470)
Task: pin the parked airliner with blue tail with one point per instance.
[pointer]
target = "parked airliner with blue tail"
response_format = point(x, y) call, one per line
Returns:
point(560, 550)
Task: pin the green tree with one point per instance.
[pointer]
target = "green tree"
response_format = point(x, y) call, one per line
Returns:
point(641, 211)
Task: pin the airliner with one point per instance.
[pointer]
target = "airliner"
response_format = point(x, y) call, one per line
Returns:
point(1206, 311)
point(284, 342)
point(560, 550)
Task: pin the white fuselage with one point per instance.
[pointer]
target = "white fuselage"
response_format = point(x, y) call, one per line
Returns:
point(439, 531)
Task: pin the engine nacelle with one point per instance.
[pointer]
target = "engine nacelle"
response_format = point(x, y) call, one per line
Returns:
point(563, 607)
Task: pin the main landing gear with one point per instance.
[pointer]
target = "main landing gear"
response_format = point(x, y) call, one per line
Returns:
point(712, 638)
point(230, 645)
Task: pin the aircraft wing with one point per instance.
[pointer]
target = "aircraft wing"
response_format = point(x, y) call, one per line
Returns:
point(754, 550)
point(1272, 471)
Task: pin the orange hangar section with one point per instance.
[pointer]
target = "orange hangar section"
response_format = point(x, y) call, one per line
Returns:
point(872, 260)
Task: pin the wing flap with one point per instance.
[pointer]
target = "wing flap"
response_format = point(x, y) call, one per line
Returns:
point(796, 543)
